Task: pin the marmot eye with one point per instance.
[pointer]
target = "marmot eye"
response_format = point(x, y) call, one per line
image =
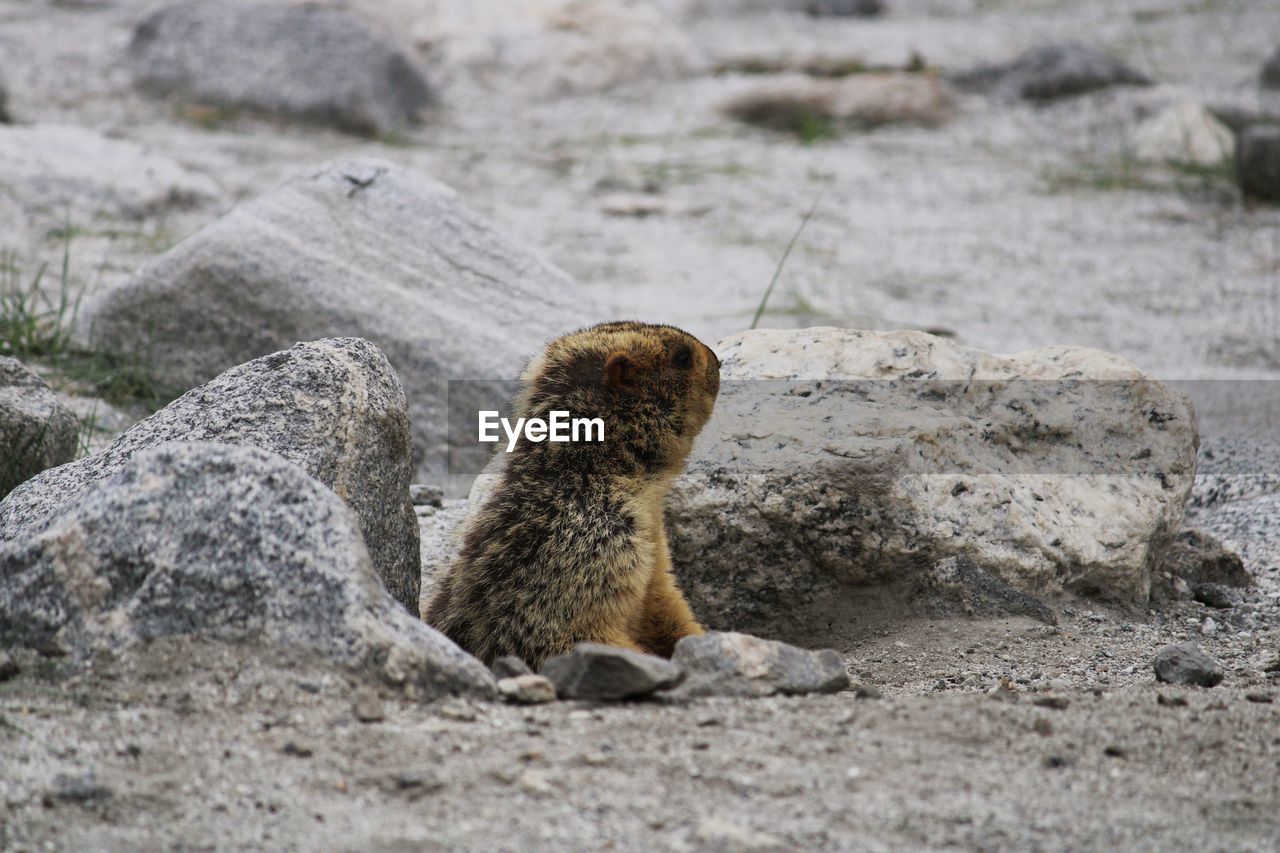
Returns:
point(684, 358)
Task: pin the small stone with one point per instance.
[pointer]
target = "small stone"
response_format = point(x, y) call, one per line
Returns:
point(1114, 751)
point(509, 666)
point(1272, 665)
point(868, 691)
point(417, 780)
point(1184, 132)
point(1209, 628)
point(1260, 698)
point(1053, 71)
point(8, 666)
point(460, 712)
point(422, 494)
point(1057, 761)
point(1057, 703)
point(1186, 664)
point(296, 749)
point(368, 707)
point(82, 789)
point(527, 690)
point(1270, 76)
point(845, 8)
point(534, 782)
point(1042, 726)
point(1214, 595)
point(1171, 701)
point(733, 664)
point(1258, 161)
point(597, 671)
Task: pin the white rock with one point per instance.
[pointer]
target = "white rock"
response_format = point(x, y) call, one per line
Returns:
point(1184, 132)
point(802, 487)
point(55, 167)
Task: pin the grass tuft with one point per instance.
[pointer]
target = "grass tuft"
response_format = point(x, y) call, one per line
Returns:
point(782, 262)
point(37, 321)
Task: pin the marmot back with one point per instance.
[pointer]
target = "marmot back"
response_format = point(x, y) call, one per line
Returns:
point(570, 546)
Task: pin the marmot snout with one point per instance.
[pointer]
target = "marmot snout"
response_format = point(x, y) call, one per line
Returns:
point(571, 545)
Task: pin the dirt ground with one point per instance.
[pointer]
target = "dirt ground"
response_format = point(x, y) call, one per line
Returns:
point(220, 749)
point(1012, 227)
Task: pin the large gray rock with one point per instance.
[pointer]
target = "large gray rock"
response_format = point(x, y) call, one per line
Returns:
point(600, 672)
point(298, 61)
point(1258, 162)
point(838, 458)
point(333, 407)
point(730, 664)
point(58, 170)
point(353, 247)
point(1053, 71)
point(36, 430)
point(219, 543)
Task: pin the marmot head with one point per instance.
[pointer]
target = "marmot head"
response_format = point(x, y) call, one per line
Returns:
point(639, 377)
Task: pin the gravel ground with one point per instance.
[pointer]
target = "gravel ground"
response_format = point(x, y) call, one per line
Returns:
point(1012, 227)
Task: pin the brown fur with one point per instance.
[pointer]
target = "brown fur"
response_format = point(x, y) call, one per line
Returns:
point(571, 546)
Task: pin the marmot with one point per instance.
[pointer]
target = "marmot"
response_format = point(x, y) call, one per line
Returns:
point(570, 545)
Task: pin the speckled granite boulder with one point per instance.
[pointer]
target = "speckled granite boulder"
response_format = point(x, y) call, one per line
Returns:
point(36, 430)
point(225, 544)
point(332, 407)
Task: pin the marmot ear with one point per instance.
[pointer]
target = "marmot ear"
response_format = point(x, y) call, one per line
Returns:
point(619, 371)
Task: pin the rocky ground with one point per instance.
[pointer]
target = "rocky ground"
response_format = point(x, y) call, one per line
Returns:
point(1012, 226)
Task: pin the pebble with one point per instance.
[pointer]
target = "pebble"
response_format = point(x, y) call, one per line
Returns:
point(1260, 698)
point(534, 782)
point(368, 707)
point(460, 712)
point(1185, 663)
point(297, 749)
point(1209, 628)
point(82, 788)
point(422, 494)
point(8, 666)
point(868, 691)
point(1057, 703)
point(417, 780)
point(509, 666)
point(1171, 701)
point(527, 690)
point(597, 671)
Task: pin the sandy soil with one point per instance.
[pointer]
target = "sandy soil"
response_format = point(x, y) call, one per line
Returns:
point(1012, 227)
